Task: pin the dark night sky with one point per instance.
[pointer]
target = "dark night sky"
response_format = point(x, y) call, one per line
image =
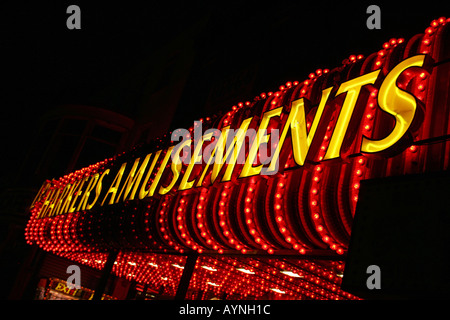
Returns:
point(45, 64)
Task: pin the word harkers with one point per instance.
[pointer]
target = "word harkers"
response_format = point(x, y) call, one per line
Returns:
point(199, 162)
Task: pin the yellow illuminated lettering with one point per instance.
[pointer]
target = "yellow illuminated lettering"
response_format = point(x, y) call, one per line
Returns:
point(44, 188)
point(56, 201)
point(60, 287)
point(143, 192)
point(160, 172)
point(98, 190)
point(261, 137)
point(59, 200)
point(68, 197)
point(301, 139)
point(175, 166)
point(114, 185)
point(133, 179)
point(46, 205)
point(398, 103)
point(87, 192)
point(77, 194)
point(235, 147)
point(217, 153)
point(352, 88)
point(196, 158)
point(401, 104)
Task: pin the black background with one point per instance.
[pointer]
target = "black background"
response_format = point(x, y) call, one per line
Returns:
point(45, 64)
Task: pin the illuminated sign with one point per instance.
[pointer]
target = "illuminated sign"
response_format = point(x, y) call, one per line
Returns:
point(87, 192)
point(82, 293)
point(62, 287)
point(221, 190)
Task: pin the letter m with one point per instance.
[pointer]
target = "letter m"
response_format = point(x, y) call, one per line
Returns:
point(134, 179)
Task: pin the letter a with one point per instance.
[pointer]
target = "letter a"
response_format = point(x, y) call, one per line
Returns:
point(74, 21)
point(74, 281)
point(374, 20)
point(374, 281)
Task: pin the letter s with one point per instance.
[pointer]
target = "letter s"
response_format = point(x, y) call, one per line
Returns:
point(401, 104)
point(374, 20)
point(374, 280)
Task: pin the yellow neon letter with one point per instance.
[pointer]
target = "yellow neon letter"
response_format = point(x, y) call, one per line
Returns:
point(401, 104)
point(175, 166)
point(353, 88)
point(77, 194)
point(196, 158)
point(68, 198)
point(158, 176)
point(217, 153)
point(45, 206)
point(57, 200)
point(42, 191)
point(98, 190)
point(49, 203)
point(261, 137)
point(143, 192)
point(87, 192)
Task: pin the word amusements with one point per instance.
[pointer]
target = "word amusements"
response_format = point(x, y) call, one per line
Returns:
point(220, 155)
